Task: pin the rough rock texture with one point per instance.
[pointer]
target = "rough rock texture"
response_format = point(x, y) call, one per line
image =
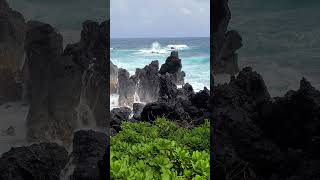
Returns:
point(117, 116)
point(224, 42)
point(173, 66)
point(12, 34)
point(89, 147)
point(104, 165)
point(92, 55)
point(145, 86)
point(43, 47)
point(68, 89)
point(228, 60)
point(177, 104)
point(136, 110)
point(262, 138)
point(113, 78)
point(38, 161)
point(148, 82)
point(126, 88)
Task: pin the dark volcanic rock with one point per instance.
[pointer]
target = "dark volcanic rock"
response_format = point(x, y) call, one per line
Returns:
point(173, 66)
point(148, 82)
point(38, 161)
point(225, 43)
point(104, 166)
point(43, 47)
point(137, 109)
point(89, 148)
point(274, 138)
point(118, 115)
point(157, 109)
point(168, 89)
point(113, 78)
point(298, 112)
point(126, 88)
point(12, 35)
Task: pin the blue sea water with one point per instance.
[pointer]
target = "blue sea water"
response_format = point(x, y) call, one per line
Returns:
point(132, 53)
point(281, 40)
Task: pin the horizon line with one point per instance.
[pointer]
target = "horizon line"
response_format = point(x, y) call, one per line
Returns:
point(148, 37)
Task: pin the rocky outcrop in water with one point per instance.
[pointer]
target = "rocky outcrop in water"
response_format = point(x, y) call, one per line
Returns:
point(126, 88)
point(12, 34)
point(89, 147)
point(50, 107)
point(113, 78)
point(173, 66)
point(148, 82)
point(224, 43)
point(68, 89)
point(262, 138)
point(92, 55)
point(38, 161)
point(145, 86)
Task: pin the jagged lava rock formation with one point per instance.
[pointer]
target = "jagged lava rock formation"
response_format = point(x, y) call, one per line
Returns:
point(262, 137)
point(224, 43)
point(89, 147)
point(68, 88)
point(38, 161)
point(145, 83)
point(12, 34)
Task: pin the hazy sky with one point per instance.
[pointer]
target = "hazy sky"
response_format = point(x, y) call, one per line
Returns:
point(160, 18)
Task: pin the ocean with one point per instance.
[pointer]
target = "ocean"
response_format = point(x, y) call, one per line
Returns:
point(132, 53)
point(281, 40)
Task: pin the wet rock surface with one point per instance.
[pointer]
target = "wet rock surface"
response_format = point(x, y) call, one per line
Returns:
point(263, 137)
point(225, 43)
point(38, 161)
point(12, 34)
point(173, 66)
point(117, 116)
point(68, 88)
point(89, 148)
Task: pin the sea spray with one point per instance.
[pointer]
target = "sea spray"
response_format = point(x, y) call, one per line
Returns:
point(85, 116)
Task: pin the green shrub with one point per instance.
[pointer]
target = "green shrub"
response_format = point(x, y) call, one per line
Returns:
point(161, 150)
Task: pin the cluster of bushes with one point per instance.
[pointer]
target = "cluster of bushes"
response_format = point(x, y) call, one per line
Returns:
point(160, 151)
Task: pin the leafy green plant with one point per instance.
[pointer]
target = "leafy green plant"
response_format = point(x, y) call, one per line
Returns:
point(161, 150)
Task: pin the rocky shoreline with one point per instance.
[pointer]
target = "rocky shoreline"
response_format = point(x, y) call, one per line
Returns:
point(157, 88)
point(66, 90)
point(257, 136)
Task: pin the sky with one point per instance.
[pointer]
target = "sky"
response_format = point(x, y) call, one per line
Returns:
point(159, 18)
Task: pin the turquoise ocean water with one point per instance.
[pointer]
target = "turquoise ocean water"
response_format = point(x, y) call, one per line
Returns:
point(132, 53)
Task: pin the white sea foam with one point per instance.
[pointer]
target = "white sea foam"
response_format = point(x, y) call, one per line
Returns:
point(177, 46)
point(154, 49)
point(114, 98)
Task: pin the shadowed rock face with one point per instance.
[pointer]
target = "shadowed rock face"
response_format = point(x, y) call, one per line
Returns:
point(43, 48)
point(68, 89)
point(126, 88)
point(113, 78)
point(12, 34)
point(145, 84)
point(117, 116)
point(89, 147)
point(224, 43)
point(148, 82)
point(173, 66)
point(178, 104)
point(38, 161)
point(266, 137)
